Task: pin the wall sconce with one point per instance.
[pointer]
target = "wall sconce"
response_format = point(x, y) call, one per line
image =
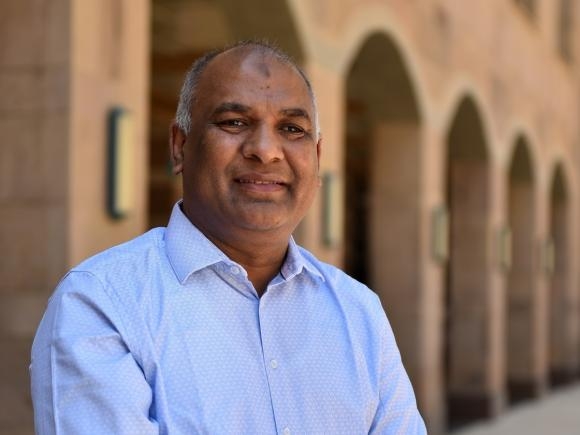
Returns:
point(332, 210)
point(548, 256)
point(440, 234)
point(120, 163)
point(504, 248)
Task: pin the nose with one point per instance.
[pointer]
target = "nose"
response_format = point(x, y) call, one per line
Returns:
point(264, 144)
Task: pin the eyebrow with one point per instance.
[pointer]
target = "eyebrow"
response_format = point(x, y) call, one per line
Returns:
point(296, 113)
point(230, 106)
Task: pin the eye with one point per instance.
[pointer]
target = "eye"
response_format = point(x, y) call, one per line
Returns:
point(293, 130)
point(233, 125)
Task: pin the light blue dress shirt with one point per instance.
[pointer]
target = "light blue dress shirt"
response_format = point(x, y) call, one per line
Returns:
point(166, 335)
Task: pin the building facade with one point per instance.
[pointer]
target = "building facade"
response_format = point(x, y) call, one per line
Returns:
point(450, 169)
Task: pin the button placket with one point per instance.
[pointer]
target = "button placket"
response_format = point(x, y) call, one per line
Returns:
point(269, 328)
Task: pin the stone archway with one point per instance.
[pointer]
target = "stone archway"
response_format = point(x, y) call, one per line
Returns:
point(183, 30)
point(382, 186)
point(521, 346)
point(466, 333)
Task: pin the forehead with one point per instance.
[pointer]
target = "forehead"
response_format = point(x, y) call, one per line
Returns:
point(249, 75)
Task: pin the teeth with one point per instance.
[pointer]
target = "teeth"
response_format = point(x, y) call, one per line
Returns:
point(257, 182)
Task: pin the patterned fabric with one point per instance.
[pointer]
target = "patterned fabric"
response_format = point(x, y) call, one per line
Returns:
point(166, 335)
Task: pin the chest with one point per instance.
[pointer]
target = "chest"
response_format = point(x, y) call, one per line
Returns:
point(259, 366)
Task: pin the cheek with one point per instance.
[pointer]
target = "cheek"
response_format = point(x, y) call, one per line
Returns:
point(308, 173)
point(312, 165)
point(215, 156)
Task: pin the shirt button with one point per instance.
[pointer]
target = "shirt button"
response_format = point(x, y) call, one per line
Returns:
point(234, 270)
point(286, 431)
point(274, 365)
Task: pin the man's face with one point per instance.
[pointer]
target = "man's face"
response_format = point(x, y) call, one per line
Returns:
point(251, 159)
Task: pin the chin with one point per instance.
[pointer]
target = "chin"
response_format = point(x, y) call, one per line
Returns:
point(261, 223)
point(262, 227)
point(262, 217)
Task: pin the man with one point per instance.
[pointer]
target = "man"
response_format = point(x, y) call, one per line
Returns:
point(220, 323)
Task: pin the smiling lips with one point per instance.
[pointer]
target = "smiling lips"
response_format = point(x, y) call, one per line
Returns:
point(259, 183)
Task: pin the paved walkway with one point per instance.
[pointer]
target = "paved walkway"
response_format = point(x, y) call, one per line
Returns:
point(556, 414)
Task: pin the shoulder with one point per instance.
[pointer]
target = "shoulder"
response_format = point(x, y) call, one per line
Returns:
point(110, 283)
point(132, 253)
point(130, 260)
point(118, 270)
point(99, 298)
point(352, 294)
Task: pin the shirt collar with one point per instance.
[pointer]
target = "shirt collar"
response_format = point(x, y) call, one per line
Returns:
point(296, 262)
point(189, 250)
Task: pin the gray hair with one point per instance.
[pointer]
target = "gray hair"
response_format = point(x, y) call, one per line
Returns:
point(187, 96)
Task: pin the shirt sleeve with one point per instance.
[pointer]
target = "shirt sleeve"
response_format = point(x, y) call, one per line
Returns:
point(397, 413)
point(84, 378)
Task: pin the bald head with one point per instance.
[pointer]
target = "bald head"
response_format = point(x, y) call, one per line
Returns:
point(188, 95)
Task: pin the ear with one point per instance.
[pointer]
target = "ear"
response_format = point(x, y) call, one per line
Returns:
point(177, 140)
point(318, 151)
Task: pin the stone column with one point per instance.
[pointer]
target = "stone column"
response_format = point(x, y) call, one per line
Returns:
point(63, 64)
point(328, 86)
point(109, 68)
point(430, 385)
point(475, 371)
point(34, 128)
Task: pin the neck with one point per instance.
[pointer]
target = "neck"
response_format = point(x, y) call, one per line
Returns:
point(260, 253)
point(262, 261)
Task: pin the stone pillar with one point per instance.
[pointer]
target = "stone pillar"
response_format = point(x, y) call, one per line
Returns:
point(475, 310)
point(563, 309)
point(430, 388)
point(541, 313)
point(63, 64)
point(495, 364)
point(109, 68)
point(328, 86)
point(34, 127)
point(394, 232)
point(522, 333)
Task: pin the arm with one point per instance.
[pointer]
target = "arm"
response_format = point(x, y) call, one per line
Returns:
point(84, 378)
point(397, 412)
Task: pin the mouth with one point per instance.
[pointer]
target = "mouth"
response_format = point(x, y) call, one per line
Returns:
point(258, 183)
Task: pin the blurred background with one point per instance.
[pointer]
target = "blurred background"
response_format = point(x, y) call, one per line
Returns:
point(450, 170)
